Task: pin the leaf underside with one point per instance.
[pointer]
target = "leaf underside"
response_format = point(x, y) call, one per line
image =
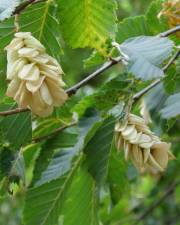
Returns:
point(172, 107)
point(146, 54)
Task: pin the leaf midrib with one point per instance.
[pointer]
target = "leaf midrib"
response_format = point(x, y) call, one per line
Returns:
point(44, 19)
point(63, 188)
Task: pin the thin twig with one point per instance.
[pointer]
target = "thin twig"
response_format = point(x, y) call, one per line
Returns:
point(45, 137)
point(22, 6)
point(171, 61)
point(171, 31)
point(72, 90)
point(157, 203)
point(13, 111)
point(141, 93)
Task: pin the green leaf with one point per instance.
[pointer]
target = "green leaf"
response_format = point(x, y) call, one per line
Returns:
point(50, 198)
point(65, 139)
point(3, 82)
point(172, 107)
point(63, 157)
point(82, 105)
point(156, 24)
point(147, 53)
point(51, 195)
point(40, 20)
point(15, 129)
point(46, 126)
point(80, 210)
point(59, 201)
point(98, 150)
point(64, 112)
point(117, 110)
point(88, 23)
point(117, 177)
point(6, 34)
point(170, 81)
point(62, 139)
point(107, 96)
point(30, 152)
point(95, 59)
point(18, 167)
point(6, 158)
point(177, 75)
point(7, 7)
point(178, 66)
point(11, 165)
point(132, 27)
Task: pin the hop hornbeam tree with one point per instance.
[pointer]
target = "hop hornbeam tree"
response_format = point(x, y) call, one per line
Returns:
point(82, 81)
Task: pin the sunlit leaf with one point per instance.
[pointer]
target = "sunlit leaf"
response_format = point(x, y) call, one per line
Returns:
point(132, 27)
point(88, 23)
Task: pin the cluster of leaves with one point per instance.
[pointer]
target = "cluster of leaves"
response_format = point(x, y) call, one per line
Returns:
point(76, 176)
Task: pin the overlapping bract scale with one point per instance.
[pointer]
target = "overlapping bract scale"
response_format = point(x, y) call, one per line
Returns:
point(35, 77)
point(147, 152)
